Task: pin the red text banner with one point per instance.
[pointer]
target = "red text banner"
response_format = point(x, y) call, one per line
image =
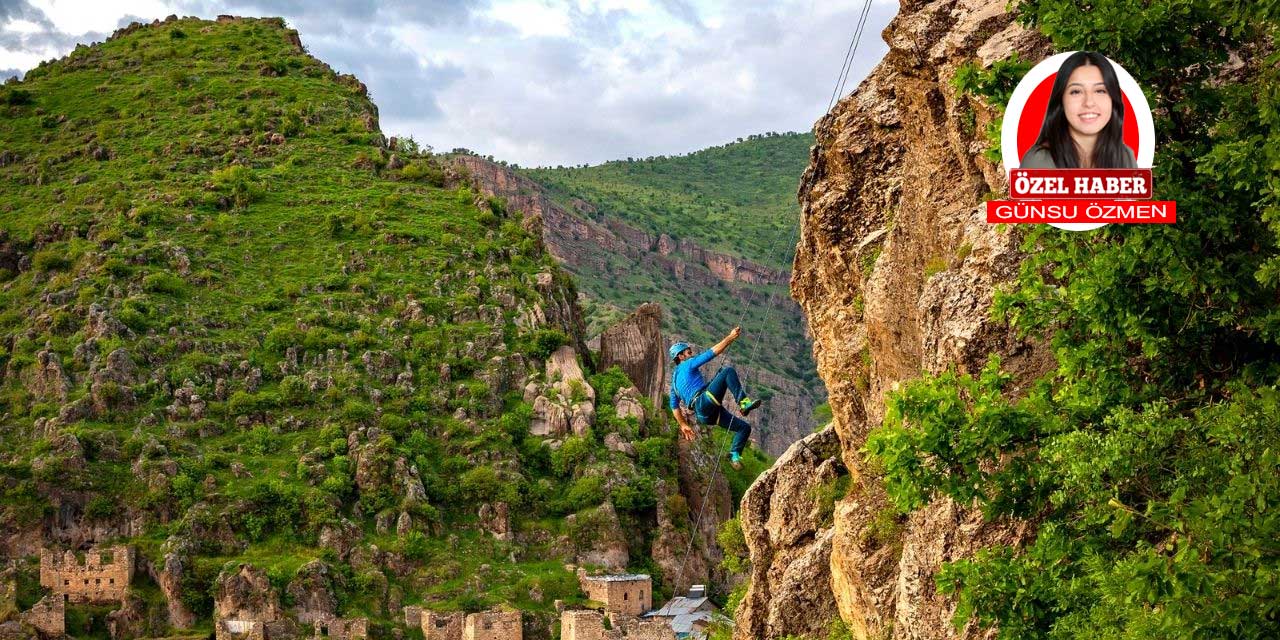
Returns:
point(1064, 184)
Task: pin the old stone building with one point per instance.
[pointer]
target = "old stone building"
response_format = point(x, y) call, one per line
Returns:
point(102, 577)
point(590, 625)
point(341, 628)
point(442, 626)
point(493, 625)
point(487, 625)
point(628, 594)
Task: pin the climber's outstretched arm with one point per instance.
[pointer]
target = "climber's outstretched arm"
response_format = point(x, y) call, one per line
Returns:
point(728, 340)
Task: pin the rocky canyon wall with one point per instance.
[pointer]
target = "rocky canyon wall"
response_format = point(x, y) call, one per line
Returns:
point(895, 270)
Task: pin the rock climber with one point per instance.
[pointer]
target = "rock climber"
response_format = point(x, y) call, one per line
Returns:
point(706, 399)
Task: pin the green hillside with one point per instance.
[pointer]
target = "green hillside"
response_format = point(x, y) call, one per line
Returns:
point(737, 198)
point(231, 317)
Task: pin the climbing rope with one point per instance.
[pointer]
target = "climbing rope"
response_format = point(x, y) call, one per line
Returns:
point(715, 468)
point(837, 90)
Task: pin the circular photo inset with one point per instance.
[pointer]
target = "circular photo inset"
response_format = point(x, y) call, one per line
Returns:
point(1077, 110)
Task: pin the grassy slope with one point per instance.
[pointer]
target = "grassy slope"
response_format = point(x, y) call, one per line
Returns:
point(302, 243)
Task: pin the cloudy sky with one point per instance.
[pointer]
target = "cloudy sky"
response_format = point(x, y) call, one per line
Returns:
point(538, 82)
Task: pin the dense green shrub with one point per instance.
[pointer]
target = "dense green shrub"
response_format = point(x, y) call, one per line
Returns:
point(482, 484)
point(294, 391)
point(239, 184)
point(14, 96)
point(51, 260)
point(425, 170)
point(542, 343)
point(573, 453)
point(583, 492)
point(657, 454)
point(636, 495)
point(164, 282)
point(734, 544)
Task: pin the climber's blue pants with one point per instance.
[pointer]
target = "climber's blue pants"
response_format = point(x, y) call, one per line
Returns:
point(707, 406)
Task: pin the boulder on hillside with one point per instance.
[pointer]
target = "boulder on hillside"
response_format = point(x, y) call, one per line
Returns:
point(311, 592)
point(47, 380)
point(245, 593)
point(598, 539)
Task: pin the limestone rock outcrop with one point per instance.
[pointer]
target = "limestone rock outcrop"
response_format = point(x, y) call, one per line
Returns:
point(606, 546)
point(48, 380)
point(895, 270)
point(311, 592)
point(702, 501)
point(788, 537)
point(170, 575)
point(635, 345)
point(246, 594)
point(564, 402)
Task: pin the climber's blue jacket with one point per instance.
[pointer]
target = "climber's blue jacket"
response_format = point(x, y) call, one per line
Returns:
point(687, 380)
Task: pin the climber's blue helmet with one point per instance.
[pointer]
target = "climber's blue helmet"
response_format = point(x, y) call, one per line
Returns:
point(678, 348)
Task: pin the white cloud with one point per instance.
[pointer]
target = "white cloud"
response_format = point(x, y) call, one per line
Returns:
point(532, 18)
point(542, 82)
point(82, 16)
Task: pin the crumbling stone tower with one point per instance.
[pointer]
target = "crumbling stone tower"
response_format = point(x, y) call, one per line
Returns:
point(101, 578)
point(493, 625)
point(442, 626)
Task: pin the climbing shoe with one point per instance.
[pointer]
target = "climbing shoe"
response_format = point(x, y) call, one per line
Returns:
point(747, 404)
point(735, 460)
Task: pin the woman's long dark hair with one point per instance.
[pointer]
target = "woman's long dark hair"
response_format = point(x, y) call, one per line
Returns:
point(1055, 133)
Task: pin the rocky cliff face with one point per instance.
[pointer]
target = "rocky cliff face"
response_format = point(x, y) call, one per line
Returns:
point(788, 531)
point(895, 270)
point(586, 246)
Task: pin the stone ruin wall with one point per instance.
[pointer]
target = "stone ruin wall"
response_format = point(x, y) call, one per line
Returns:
point(493, 625)
point(442, 626)
point(48, 616)
point(589, 625)
point(91, 581)
point(342, 628)
point(489, 625)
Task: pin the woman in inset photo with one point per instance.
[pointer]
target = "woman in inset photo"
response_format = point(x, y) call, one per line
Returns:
point(1084, 124)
